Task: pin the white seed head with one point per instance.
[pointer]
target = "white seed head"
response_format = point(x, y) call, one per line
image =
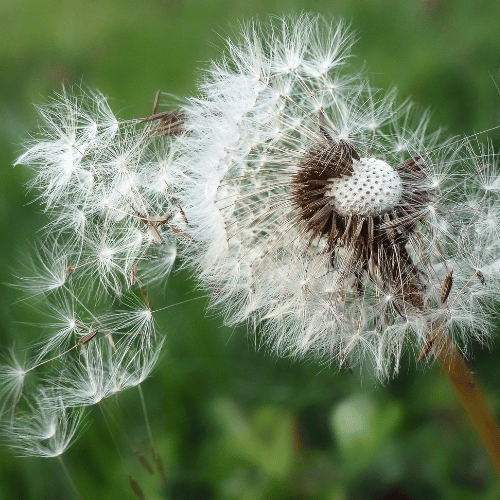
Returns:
point(373, 189)
point(300, 228)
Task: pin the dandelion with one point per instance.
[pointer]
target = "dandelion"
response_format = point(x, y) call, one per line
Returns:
point(313, 207)
point(327, 215)
point(308, 210)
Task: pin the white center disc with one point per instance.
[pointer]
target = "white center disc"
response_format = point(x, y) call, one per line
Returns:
point(373, 188)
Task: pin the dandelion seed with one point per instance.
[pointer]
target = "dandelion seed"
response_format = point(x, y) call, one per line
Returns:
point(46, 271)
point(159, 467)
point(89, 380)
point(46, 430)
point(87, 338)
point(144, 462)
point(137, 322)
point(132, 367)
point(136, 488)
point(12, 377)
point(446, 289)
point(64, 323)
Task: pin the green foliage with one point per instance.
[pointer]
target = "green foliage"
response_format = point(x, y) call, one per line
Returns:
point(362, 426)
point(229, 422)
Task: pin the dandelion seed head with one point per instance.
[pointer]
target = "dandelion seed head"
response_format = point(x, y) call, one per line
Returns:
point(329, 219)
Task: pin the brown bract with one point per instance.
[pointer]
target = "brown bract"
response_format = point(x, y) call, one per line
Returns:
point(169, 123)
point(361, 246)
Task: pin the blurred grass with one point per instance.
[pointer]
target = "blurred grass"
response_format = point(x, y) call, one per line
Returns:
point(229, 422)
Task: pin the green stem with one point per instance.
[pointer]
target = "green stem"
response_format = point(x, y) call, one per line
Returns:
point(452, 362)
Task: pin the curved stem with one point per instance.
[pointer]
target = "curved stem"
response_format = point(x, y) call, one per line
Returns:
point(452, 362)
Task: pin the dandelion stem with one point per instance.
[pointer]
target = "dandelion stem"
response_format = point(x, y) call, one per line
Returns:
point(452, 362)
point(68, 476)
point(146, 418)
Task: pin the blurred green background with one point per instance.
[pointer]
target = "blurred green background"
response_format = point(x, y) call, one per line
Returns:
point(230, 422)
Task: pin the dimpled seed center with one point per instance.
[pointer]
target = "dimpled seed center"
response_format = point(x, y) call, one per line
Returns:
point(373, 188)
